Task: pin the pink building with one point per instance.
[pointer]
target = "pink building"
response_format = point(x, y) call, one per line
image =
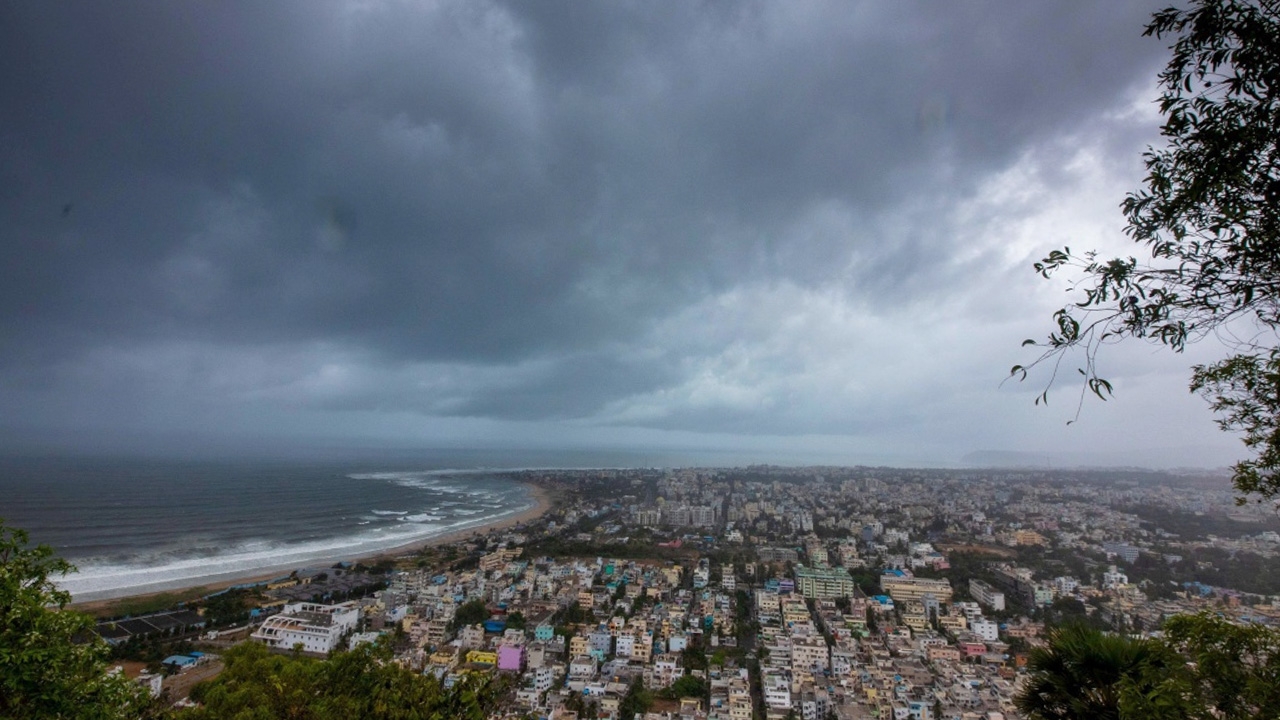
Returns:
point(972, 649)
point(511, 657)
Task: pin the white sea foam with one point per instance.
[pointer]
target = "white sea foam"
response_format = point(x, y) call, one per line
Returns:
point(437, 480)
point(199, 560)
point(423, 517)
point(167, 570)
point(443, 472)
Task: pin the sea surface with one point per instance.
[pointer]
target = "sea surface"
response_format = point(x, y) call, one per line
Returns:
point(134, 525)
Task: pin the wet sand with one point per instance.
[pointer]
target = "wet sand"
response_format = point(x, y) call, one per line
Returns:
point(541, 504)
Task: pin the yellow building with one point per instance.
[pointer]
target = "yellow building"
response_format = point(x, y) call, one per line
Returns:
point(482, 656)
point(915, 621)
point(443, 657)
point(905, 589)
point(499, 558)
point(1028, 537)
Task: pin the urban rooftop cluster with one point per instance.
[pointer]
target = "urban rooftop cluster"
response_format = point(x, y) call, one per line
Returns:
point(781, 592)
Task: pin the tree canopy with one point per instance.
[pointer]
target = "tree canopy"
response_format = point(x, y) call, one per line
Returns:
point(1234, 670)
point(1208, 218)
point(1204, 667)
point(1083, 673)
point(469, 613)
point(685, 686)
point(52, 664)
point(361, 683)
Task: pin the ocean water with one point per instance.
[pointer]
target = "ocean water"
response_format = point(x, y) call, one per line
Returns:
point(144, 525)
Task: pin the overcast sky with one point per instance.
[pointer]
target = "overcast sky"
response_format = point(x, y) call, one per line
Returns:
point(791, 230)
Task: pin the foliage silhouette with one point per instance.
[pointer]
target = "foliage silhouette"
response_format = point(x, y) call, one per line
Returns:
point(1209, 217)
point(52, 663)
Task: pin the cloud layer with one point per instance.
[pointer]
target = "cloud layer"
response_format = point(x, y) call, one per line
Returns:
point(563, 222)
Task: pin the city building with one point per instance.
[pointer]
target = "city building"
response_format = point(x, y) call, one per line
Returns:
point(317, 628)
point(984, 593)
point(902, 588)
point(823, 583)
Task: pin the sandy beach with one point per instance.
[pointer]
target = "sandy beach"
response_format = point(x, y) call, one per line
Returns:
point(541, 504)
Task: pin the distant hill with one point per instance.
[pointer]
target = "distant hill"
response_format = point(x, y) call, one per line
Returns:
point(1174, 461)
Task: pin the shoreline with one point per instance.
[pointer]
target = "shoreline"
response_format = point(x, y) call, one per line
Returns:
point(542, 503)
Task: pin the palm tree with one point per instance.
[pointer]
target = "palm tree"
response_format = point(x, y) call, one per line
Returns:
point(1083, 674)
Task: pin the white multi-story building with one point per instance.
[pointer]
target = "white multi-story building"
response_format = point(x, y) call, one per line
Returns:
point(777, 692)
point(986, 629)
point(471, 637)
point(582, 667)
point(1065, 585)
point(985, 594)
point(666, 669)
point(701, 576)
point(804, 521)
point(702, 515)
point(626, 643)
point(543, 679)
point(317, 628)
point(810, 653)
point(1114, 578)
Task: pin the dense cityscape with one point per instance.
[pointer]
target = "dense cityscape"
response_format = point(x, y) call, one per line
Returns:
point(760, 592)
point(299, 294)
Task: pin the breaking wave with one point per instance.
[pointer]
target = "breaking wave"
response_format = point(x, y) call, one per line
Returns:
point(305, 529)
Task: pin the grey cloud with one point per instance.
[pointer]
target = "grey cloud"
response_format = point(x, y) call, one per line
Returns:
point(527, 193)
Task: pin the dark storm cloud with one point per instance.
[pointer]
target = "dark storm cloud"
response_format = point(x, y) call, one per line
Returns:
point(520, 197)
